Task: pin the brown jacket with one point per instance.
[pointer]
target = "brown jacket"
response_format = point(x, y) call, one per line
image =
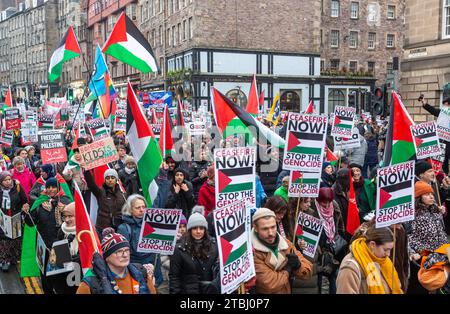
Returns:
point(271, 278)
point(351, 279)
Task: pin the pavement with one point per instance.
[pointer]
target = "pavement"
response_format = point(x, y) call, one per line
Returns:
point(11, 283)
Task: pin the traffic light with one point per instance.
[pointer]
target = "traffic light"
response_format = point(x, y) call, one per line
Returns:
point(352, 99)
point(379, 101)
point(70, 94)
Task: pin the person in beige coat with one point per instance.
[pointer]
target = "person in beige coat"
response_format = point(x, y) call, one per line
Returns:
point(276, 259)
point(367, 269)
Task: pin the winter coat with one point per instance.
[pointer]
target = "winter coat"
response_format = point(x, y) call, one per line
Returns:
point(194, 172)
point(357, 155)
point(130, 182)
point(36, 190)
point(271, 278)
point(46, 220)
point(372, 151)
point(181, 200)
point(131, 229)
point(187, 272)
point(327, 180)
point(261, 195)
point(17, 200)
point(269, 178)
point(26, 179)
point(207, 197)
point(77, 174)
point(110, 202)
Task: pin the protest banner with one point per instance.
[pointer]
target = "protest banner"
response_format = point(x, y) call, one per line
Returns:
point(98, 128)
point(395, 194)
point(156, 128)
point(156, 99)
point(443, 124)
point(235, 175)
point(11, 226)
point(45, 121)
point(304, 184)
point(426, 141)
point(52, 146)
point(120, 121)
point(438, 161)
point(232, 225)
point(98, 153)
point(343, 121)
point(41, 252)
point(347, 143)
point(159, 231)
point(12, 118)
point(30, 115)
point(60, 259)
point(309, 228)
point(6, 137)
point(196, 128)
point(306, 134)
point(29, 132)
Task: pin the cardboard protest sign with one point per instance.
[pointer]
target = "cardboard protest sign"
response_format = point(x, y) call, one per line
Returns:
point(343, 121)
point(12, 118)
point(438, 161)
point(196, 128)
point(41, 252)
point(120, 121)
point(98, 153)
point(426, 140)
point(232, 225)
point(29, 132)
point(304, 184)
point(52, 146)
point(347, 143)
point(11, 226)
point(235, 175)
point(6, 137)
point(306, 134)
point(395, 194)
point(309, 229)
point(60, 259)
point(443, 124)
point(97, 128)
point(45, 121)
point(159, 231)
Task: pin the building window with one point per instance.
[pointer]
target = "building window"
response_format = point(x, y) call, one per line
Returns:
point(371, 67)
point(169, 31)
point(179, 33)
point(354, 10)
point(390, 41)
point(191, 28)
point(170, 6)
point(389, 68)
point(371, 40)
point(353, 66)
point(322, 65)
point(336, 97)
point(446, 20)
point(185, 30)
point(334, 38)
point(391, 12)
point(334, 64)
point(161, 36)
point(174, 37)
point(334, 8)
point(154, 37)
point(353, 40)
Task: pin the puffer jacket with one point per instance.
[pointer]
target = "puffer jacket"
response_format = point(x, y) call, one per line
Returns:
point(187, 272)
point(131, 229)
point(110, 202)
point(130, 182)
point(17, 200)
point(26, 179)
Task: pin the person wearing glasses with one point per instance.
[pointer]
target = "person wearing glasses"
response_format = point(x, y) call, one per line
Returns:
point(114, 274)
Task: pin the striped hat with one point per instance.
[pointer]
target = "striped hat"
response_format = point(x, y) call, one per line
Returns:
point(112, 242)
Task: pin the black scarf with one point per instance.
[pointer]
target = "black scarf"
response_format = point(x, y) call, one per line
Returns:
point(272, 246)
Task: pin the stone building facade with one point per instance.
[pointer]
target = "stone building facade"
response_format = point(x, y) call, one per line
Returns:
point(361, 36)
point(426, 60)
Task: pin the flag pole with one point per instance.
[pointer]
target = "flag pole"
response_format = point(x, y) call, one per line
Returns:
point(437, 192)
point(297, 210)
point(393, 259)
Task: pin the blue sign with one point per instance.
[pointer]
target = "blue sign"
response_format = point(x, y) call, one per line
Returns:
point(157, 99)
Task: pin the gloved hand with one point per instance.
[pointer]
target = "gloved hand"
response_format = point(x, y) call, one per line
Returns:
point(293, 263)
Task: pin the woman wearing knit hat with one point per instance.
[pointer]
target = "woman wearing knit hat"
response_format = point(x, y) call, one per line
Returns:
point(114, 274)
point(181, 193)
point(110, 199)
point(13, 199)
point(194, 264)
point(130, 177)
point(132, 215)
point(23, 174)
point(47, 172)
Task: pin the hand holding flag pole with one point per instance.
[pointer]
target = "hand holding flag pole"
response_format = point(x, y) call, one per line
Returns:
point(94, 243)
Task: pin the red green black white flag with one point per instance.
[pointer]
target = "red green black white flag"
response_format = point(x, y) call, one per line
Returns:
point(67, 49)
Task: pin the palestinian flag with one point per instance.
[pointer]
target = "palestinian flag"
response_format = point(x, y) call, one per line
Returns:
point(399, 142)
point(160, 231)
point(45, 121)
point(143, 147)
point(6, 138)
point(330, 157)
point(233, 244)
point(343, 122)
point(236, 179)
point(67, 49)
point(166, 142)
point(305, 143)
point(353, 221)
point(64, 187)
point(97, 128)
point(127, 44)
point(299, 177)
point(310, 108)
point(88, 241)
point(8, 100)
point(395, 194)
point(253, 103)
point(232, 119)
point(120, 123)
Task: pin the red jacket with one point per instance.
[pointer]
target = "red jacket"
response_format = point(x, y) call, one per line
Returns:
point(26, 179)
point(207, 197)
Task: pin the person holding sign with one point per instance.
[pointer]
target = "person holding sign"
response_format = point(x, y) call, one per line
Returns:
point(132, 215)
point(276, 259)
point(367, 269)
point(13, 199)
